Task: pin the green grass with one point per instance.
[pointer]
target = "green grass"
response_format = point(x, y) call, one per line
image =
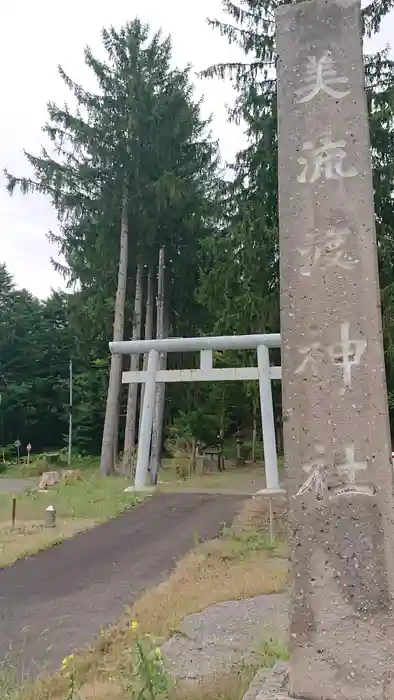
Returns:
point(239, 564)
point(272, 650)
point(35, 468)
point(93, 498)
point(243, 544)
point(9, 680)
point(79, 506)
point(248, 478)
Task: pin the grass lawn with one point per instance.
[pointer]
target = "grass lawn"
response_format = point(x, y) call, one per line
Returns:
point(240, 564)
point(248, 478)
point(35, 468)
point(94, 499)
point(78, 506)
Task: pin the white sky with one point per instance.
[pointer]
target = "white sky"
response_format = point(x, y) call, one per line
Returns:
point(35, 38)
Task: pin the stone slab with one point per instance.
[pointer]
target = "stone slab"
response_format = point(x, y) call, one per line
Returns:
point(270, 684)
point(339, 474)
point(226, 634)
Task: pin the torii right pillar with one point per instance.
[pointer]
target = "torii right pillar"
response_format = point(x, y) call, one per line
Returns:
point(337, 437)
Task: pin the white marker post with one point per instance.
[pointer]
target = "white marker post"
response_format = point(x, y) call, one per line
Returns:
point(50, 516)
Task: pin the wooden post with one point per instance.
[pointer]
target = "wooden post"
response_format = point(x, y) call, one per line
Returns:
point(13, 512)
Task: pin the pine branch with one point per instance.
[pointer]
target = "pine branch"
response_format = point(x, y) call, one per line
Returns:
point(253, 16)
point(62, 270)
point(374, 13)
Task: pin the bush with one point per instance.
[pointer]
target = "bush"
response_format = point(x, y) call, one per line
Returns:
point(9, 453)
point(50, 459)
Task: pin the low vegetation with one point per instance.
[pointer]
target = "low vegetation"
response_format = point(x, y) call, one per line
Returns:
point(247, 479)
point(93, 499)
point(229, 568)
point(46, 461)
point(126, 661)
point(79, 506)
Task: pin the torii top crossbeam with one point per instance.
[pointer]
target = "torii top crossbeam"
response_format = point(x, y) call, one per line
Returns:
point(223, 342)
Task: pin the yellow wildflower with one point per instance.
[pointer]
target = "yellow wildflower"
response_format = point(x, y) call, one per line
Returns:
point(65, 662)
point(71, 657)
point(134, 625)
point(158, 653)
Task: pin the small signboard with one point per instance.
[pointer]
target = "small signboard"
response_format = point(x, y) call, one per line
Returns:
point(28, 447)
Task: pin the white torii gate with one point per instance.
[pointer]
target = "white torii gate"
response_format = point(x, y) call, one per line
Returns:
point(263, 372)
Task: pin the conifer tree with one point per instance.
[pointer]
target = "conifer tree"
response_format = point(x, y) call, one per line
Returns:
point(128, 172)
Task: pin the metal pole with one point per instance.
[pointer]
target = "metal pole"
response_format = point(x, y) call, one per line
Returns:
point(148, 409)
point(70, 412)
point(267, 418)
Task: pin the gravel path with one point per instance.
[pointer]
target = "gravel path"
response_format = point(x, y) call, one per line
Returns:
point(226, 635)
point(58, 600)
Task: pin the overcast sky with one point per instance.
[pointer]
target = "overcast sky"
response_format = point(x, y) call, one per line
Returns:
point(35, 38)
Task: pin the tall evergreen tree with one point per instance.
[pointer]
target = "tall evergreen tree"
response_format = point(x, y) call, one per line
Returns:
point(34, 351)
point(133, 158)
point(246, 251)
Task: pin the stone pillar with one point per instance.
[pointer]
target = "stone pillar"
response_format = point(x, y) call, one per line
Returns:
point(336, 429)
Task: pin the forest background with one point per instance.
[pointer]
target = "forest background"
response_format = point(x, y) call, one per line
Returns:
point(135, 178)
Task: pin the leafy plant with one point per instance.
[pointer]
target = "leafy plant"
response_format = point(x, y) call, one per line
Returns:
point(144, 677)
point(273, 650)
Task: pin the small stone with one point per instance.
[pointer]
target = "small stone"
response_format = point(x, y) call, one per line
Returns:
point(49, 479)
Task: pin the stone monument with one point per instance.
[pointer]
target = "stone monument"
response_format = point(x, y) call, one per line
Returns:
point(336, 428)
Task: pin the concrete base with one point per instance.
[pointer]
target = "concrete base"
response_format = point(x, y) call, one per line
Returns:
point(270, 684)
point(216, 492)
point(140, 489)
point(270, 493)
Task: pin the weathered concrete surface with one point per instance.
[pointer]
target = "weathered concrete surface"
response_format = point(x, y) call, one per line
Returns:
point(211, 642)
point(337, 440)
point(270, 684)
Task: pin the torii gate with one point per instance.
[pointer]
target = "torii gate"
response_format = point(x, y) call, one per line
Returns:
point(263, 372)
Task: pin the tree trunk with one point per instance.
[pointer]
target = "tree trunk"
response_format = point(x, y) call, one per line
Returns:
point(132, 395)
point(161, 332)
point(116, 430)
point(114, 384)
point(193, 456)
point(148, 331)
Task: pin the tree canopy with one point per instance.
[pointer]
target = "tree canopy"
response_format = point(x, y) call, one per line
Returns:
point(136, 151)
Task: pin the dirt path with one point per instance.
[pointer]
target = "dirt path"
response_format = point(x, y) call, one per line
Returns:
point(57, 601)
point(14, 485)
